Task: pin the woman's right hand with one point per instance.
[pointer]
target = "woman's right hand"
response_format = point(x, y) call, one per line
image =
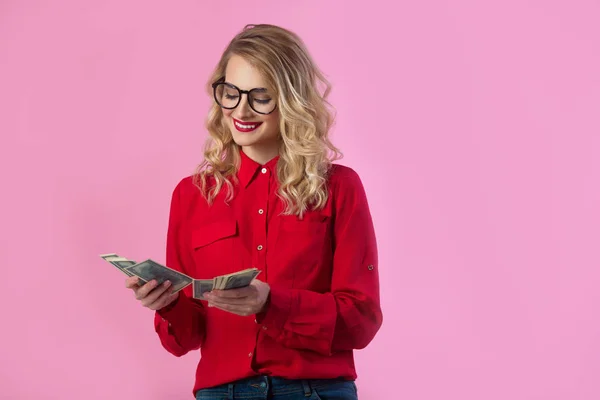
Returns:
point(150, 295)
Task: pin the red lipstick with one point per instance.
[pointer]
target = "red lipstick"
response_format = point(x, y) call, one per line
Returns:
point(245, 126)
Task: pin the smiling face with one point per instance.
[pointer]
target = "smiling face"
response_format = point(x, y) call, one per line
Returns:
point(257, 134)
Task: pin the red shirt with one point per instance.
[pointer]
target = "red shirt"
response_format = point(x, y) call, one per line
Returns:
point(322, 270)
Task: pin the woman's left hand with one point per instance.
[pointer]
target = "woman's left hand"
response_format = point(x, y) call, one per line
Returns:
point(243, 301)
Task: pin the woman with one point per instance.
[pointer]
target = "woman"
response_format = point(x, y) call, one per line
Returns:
point(268, 195)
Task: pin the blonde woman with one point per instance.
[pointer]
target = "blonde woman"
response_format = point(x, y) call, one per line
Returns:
point(269, 195)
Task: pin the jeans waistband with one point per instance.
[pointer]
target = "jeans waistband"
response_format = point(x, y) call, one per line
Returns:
point(274, 385)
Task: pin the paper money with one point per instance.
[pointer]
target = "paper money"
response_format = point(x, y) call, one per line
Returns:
point(238, 279)
point(150, 269)
point(200, 287)
point(224, 282)
point(121, 263)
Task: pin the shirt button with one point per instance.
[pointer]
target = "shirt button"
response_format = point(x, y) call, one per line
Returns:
point(264, 328)
point(249, 354)
point(259, 247)
point(264, 170)
point(261, 211)
point(370, 267)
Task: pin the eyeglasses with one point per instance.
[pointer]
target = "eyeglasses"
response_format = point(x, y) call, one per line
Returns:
point(228, 96)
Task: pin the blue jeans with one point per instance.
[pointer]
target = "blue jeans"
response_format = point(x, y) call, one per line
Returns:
point(273, 388)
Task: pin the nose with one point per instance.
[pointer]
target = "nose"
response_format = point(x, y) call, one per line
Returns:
point(243, 110)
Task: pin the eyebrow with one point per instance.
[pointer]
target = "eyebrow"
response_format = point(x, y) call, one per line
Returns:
point(259, 89)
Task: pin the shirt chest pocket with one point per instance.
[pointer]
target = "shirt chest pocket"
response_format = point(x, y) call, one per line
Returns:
point(304, 245)
point(215, 248)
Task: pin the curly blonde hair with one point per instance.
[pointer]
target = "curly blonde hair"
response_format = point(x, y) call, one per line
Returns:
point(301, 90)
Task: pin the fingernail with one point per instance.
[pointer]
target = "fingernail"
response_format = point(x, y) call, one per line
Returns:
point(167, 283)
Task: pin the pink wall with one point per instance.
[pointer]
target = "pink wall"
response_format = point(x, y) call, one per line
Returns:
point(474, 127)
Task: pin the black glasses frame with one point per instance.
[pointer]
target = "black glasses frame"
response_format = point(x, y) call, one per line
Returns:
point(241, 92)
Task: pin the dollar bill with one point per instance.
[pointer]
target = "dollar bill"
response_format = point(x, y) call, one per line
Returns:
point(105, 256)
point(238, 279)
point(150, 269)
point(122, 264)
point(234, 280)
point(200, 287)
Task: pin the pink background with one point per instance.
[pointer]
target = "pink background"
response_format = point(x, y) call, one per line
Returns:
point(474, 125)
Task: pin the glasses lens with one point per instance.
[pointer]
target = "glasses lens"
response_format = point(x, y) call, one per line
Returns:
point(226, 96)
point(261, 101)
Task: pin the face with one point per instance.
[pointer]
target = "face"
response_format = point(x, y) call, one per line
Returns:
point(257, 134)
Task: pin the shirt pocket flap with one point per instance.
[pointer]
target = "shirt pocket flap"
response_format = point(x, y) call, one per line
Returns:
point(213, 231)
point(315, 224)
point(310, 221)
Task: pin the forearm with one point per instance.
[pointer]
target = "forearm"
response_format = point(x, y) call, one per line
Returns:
point(321, 322)
point(181, 326)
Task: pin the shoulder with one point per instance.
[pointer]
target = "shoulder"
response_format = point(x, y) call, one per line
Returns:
point(344, 178)
point(184, 184)
point(186, 188)
point(347, 189)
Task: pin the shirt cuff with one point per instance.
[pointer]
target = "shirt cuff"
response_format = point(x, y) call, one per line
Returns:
point(179, 309)
point(277, 311)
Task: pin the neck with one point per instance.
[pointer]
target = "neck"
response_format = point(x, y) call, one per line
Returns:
point(261, 154)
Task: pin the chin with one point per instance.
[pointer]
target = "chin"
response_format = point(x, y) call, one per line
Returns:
point(242, 139)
